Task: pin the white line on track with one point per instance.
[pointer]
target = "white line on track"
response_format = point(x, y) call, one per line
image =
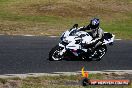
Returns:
point(29, 35)
point(119, 72)
point(53, 36)
point(118, 39)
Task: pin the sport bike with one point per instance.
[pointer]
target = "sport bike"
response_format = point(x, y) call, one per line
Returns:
point(72, 42)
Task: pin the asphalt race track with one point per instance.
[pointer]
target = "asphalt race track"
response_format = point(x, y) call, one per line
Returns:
point(19, 54)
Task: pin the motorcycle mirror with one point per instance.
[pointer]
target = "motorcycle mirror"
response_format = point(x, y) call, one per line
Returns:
point(75, 25)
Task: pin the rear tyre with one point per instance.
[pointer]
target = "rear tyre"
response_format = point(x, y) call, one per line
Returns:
point(100, 52)
point(54, 54)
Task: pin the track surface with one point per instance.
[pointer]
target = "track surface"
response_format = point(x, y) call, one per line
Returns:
point(19, 54)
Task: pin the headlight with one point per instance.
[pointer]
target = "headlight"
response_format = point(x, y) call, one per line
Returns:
point(78, 41)
point(66, 41)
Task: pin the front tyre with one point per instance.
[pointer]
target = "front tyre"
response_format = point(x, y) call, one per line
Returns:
point(54, 54)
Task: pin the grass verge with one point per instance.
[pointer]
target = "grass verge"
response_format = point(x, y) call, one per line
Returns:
point(61, 81)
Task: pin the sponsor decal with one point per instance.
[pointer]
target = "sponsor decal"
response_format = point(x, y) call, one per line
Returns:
point(86, 81)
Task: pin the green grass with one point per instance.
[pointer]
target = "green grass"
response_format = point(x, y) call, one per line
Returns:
point(46, 17)
point(14, 17)
point(73, 81)
point(61, 81)
point(122, 29)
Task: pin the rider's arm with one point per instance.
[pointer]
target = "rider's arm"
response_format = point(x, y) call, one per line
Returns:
point(99, 37)
point(100, 34)
point(84, 28)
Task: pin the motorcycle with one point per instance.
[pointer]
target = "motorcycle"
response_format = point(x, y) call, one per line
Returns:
point(71, 45)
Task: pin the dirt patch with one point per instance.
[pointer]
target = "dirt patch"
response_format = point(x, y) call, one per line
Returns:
point(11, 84)
point(117, 76)
point(71, 8)
point(20, 28)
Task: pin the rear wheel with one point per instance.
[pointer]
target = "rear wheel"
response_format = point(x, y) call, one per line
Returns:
point(54, 54)
point(100, 52)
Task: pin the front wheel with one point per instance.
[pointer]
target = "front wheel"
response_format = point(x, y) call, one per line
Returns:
point(54, 54)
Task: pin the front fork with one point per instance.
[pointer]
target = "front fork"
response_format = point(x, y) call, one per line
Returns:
point(64, 49)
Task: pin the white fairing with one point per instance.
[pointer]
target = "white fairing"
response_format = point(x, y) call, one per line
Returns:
point(72, 40)
point(111, 40)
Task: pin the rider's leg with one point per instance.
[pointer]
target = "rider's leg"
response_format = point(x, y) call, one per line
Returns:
point(96, 45)
point(92, 49)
